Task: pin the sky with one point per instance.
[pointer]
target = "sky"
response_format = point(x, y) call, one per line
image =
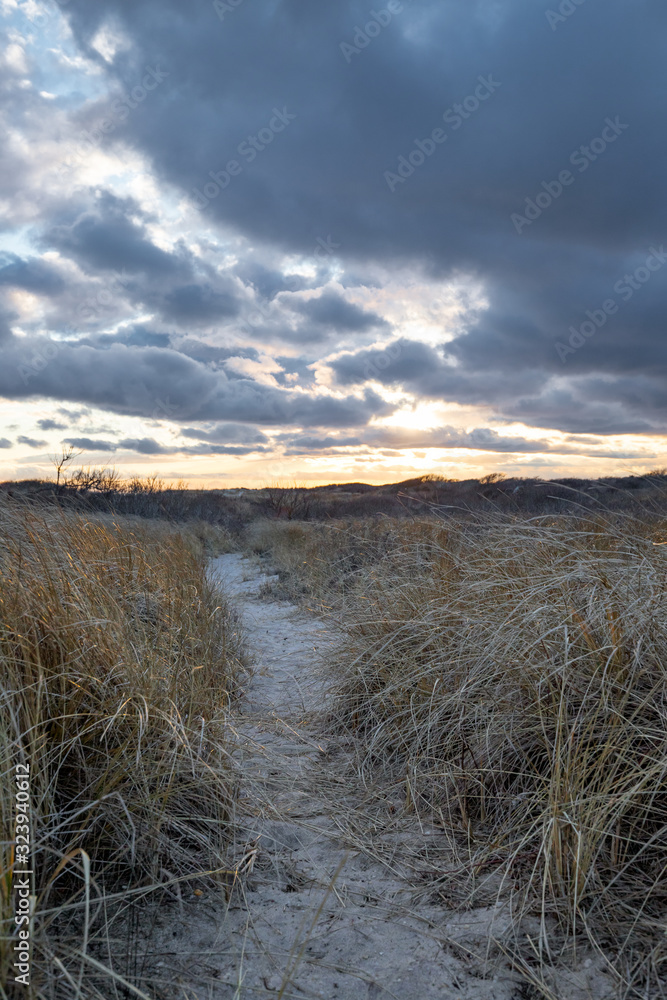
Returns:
point(246, 241)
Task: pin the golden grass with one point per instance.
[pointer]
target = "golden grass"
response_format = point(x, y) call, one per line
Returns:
point(117, 665)
point(512, 674)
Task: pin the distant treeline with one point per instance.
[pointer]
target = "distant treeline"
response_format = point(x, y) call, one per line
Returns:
point(104, 490)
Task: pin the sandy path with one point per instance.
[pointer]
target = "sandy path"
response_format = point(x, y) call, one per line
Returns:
point(357, 940)
point(286, 925)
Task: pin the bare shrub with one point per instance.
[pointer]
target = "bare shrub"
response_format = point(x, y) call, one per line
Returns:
point(291, 502)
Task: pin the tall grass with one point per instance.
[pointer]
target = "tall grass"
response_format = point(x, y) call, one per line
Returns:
point(117, 665)
point(512, 674)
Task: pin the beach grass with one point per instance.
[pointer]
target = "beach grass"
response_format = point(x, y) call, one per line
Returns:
point(509, 676)
point(118, 665)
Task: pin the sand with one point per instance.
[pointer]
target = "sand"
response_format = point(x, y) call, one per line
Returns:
point(329, 909)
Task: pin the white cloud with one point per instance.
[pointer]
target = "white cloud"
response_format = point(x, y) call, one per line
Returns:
point(109, 41)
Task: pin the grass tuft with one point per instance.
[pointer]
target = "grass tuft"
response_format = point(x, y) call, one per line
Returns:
point(117, 666)
point(510, 674)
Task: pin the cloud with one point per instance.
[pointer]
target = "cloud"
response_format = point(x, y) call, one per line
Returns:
point(452, 215)
point(105, 239)
point(32, 275)
point(402, 362)
point(109, 241)
point(214, 355)
point(227, 433)
point(137, 381)
point(220, 449)
point(394, 440)
point(144, 446)
point(477, 439)
point(332, 310)
point(5, 443)
point(585, 405)
point(50, 425)
point(149, 446)
point(89, 444)
point(196, 304)
point(174, 288)
point(132, 336)
point(306, 444)
point(31, 442)
point(7, 317)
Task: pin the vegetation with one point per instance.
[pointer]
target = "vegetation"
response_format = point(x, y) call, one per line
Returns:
point(118, 663)
point(508, 674)
point(503, 667)
point(92, 489)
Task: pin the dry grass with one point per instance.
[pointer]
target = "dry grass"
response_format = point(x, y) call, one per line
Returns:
point(511, 675)
point(117, 665)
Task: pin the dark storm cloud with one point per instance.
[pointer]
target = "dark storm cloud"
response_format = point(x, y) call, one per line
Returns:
point(331, 165)
point(587, 404)
point(403, 361)
point(89, 444)
point(31, 442)
point(429, 373)
point(149, 446)
point(106, 243)
point(551, 91)
point(294, 369)
point(213, 355)
point(223, 449)
point(227, 434)
point(479, 439)
point(159, 383)
point(332, 310)
point(306, 444)
point(74, 416)
point(577, 410)
point(144, 446)
point(50, 425)
point(268, 282)
point(7, 318)
point(196, 304)
point(105, 239)
point(136, 336)
point(32, 275)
